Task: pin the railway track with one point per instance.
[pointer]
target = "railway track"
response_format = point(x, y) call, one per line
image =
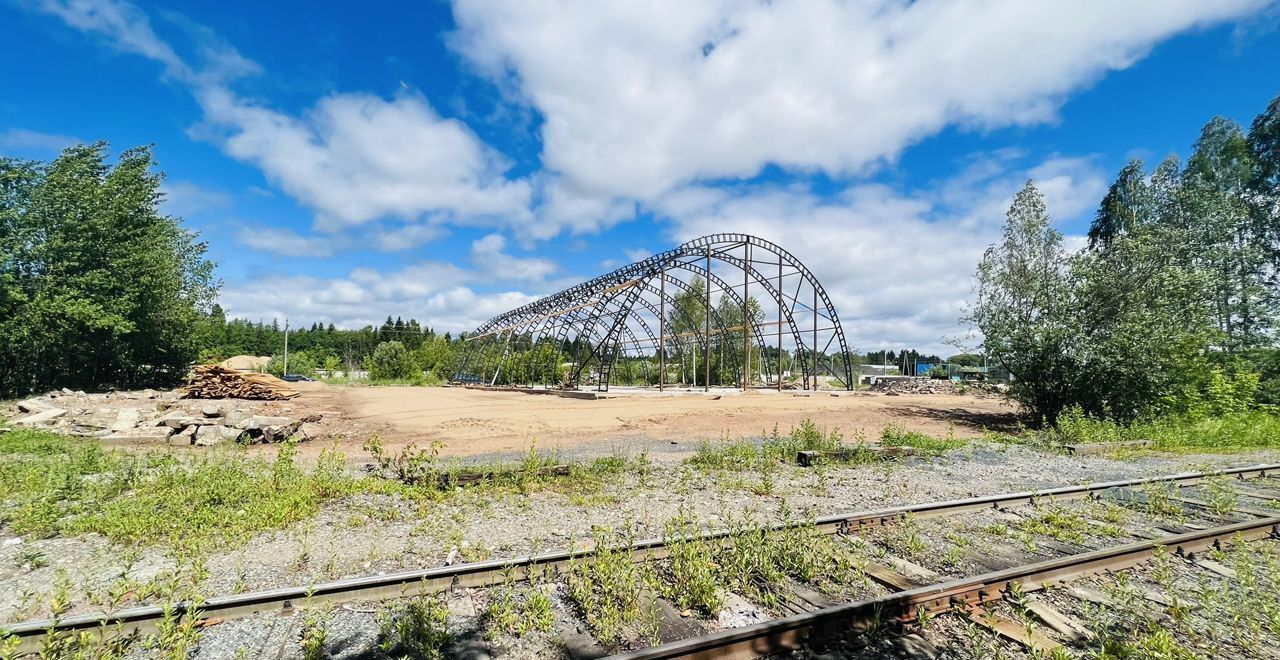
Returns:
point(773, 636)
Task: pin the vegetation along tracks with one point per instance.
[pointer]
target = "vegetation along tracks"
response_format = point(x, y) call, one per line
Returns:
point(778, 634)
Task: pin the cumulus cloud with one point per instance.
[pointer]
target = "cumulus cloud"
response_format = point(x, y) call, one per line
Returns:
point(352, 157)
point(898, 265)
point(640, 98)
point(494, 263)
point(432, 292)
point(286, 242)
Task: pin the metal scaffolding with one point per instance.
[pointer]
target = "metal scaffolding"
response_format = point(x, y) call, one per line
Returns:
point(722, 310)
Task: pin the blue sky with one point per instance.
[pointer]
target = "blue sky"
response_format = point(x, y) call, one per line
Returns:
point(447, 161)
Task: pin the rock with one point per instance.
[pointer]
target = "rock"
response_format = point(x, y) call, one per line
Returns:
point(67, 390)
point(33, 406)
point(309, 431)
point(145, 433)
point(235, 417)
point(126, 419)
point(262, 421)
point(215, 434)
point(184, 437)
point(39, 418)
point(211, 410)
point(3, 430)
point(311, 417)
point(179, 419)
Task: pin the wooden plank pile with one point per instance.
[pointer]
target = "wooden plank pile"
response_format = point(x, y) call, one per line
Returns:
point(210, 381)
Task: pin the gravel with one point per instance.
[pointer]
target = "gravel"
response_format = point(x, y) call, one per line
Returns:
point(380, 534)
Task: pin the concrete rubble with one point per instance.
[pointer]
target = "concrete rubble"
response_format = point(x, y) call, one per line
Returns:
point(149, 416)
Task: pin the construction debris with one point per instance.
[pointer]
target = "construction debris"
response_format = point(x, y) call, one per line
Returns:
point(161, 417)
point(211, 381)
point(922, 385)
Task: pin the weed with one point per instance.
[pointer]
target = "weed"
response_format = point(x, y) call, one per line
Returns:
point(609, 588)
point(694, 583)
point(31, 559)
point(415, 629)
point(518, 612)
point(1221, 498)
point(315, 632)
point(896, 436)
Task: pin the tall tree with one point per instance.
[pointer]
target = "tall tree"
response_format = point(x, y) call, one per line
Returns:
point(1231, 244)
point(99, 287)
point(1022, 307)
point(1126, 206)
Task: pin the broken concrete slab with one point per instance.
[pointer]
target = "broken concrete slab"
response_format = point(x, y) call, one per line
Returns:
point(126, 419)
point(144, 433)
point(40, 418)
point(235, 417)
point(215, 434)
point(33, 406)
point(211, 410)
point(262, 421)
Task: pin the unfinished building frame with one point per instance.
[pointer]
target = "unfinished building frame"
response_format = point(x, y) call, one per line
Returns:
point(722, 310)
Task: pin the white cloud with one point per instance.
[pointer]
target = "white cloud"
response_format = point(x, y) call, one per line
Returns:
point(898, 266)
point(640, 98)
point(355, 158)
point(407, 237)
point(21, 139)
point(186, 198)
point(431, 292)
point(352, 157)
point(286, 242)
point(489, 257)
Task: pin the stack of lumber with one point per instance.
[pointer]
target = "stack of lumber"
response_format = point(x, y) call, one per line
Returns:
point(211, 381)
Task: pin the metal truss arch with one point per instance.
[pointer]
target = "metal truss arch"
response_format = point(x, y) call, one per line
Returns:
point(609, 320)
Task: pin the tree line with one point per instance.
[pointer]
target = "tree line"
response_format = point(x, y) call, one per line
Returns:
point(1173, 305)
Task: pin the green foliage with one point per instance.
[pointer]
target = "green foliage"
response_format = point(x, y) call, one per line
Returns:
point(54, 485)
point(774, 448)
point(609, 590)
point(96, 286)
point(896, 436)
point(1179, 276)
point(390, 361)
point(300, 362)
point(415, 629)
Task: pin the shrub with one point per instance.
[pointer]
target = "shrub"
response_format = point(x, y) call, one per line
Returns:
point(390, 361)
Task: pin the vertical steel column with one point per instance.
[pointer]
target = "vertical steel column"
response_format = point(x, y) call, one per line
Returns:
point(706, 332)
point(779, 321)
point(815, 337)
point(746, 311)
point(662, 329)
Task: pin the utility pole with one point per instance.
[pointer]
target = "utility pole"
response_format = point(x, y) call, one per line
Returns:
point(286, 347)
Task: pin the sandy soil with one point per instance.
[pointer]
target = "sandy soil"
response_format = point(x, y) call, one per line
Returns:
point(472, 422)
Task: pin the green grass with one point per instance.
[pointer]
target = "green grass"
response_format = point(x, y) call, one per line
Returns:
point(924, 445)
point(55, 485)
point(1238, 431)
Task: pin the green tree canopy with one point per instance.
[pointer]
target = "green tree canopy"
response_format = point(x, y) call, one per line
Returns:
point(97, 286)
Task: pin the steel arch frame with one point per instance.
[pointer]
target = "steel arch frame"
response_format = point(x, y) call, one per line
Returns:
point(601, 313)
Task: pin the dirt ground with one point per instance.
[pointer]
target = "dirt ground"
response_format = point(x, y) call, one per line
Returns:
point(472, 422)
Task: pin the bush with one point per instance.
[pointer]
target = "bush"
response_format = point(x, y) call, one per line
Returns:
point(300, 363)
point(390, 361)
